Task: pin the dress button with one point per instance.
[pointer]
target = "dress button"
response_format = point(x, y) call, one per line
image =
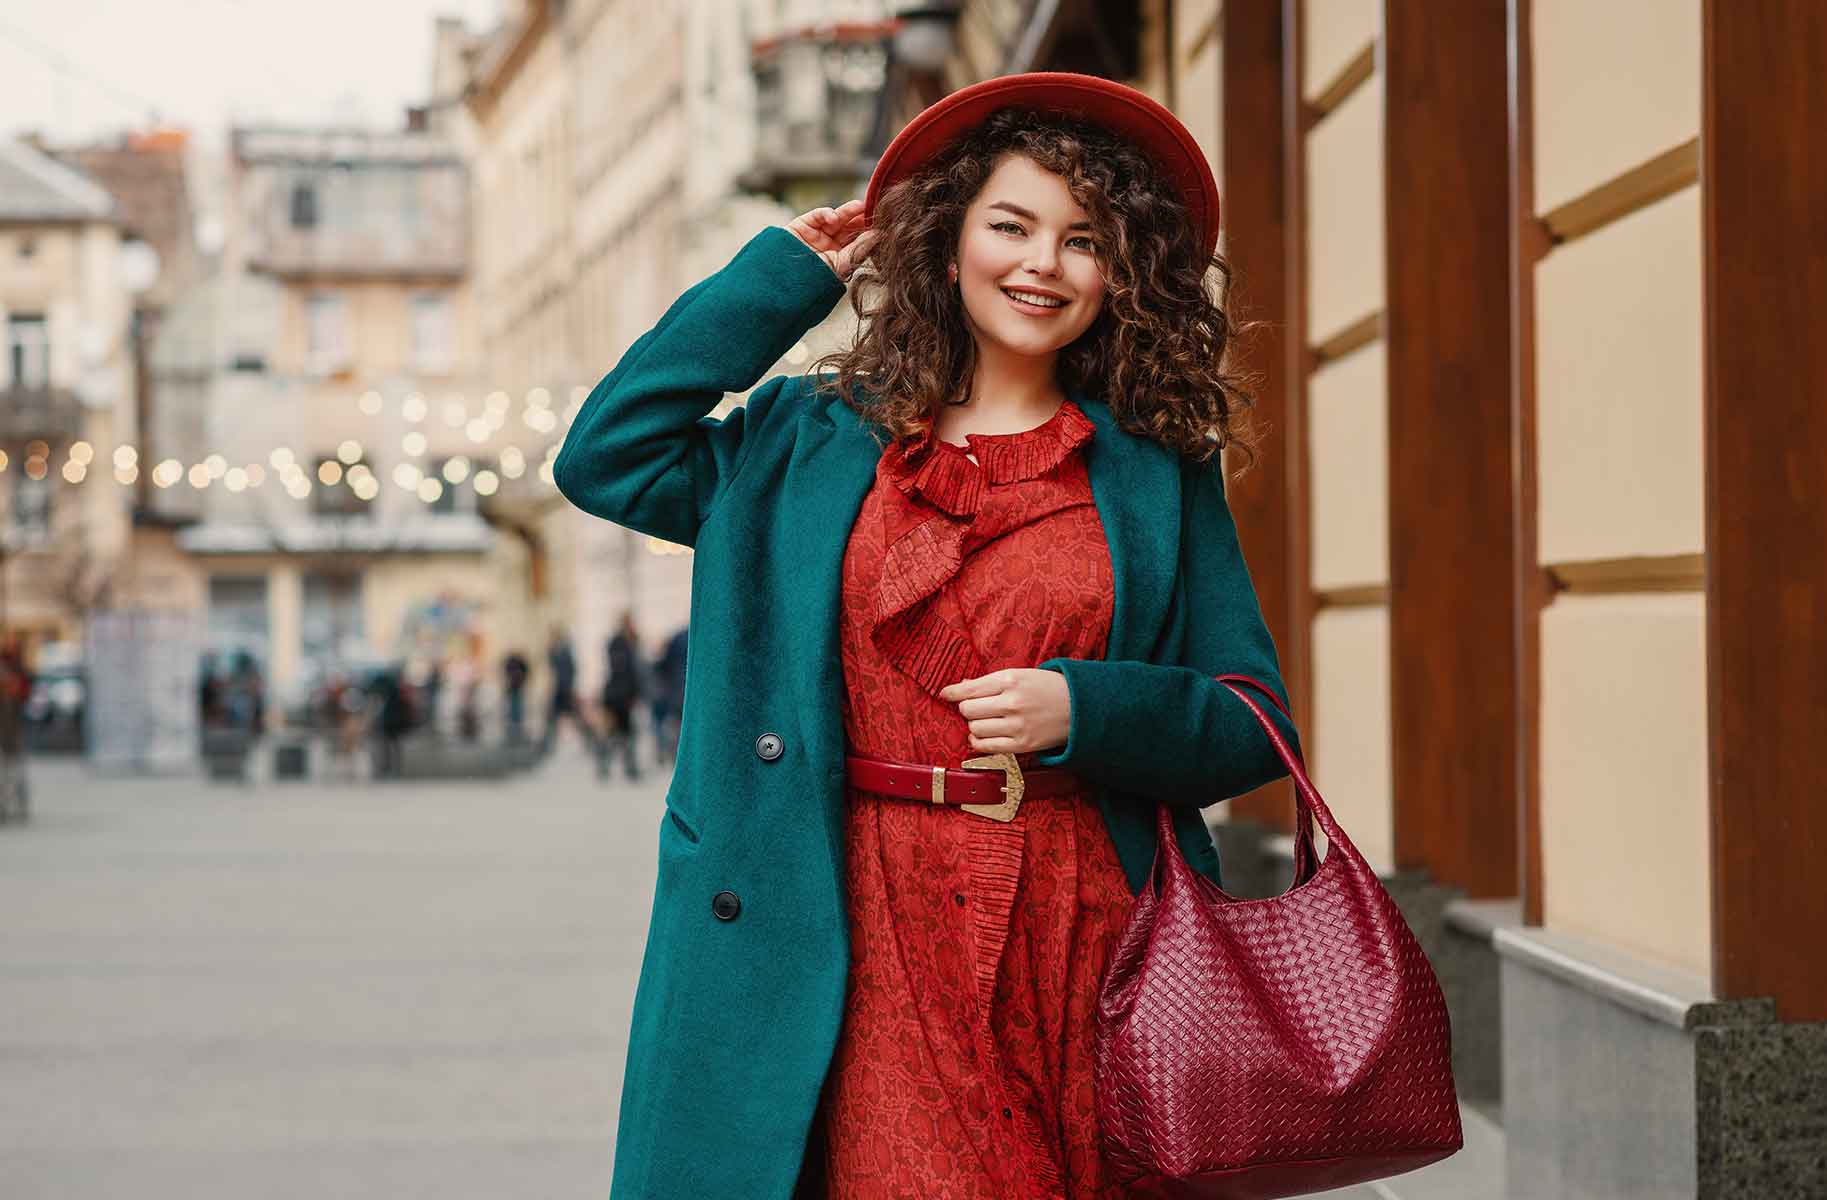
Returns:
point(726, 905)
point(769, 746)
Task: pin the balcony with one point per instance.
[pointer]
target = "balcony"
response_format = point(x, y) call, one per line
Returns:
point(52, 414)
point(817, 91)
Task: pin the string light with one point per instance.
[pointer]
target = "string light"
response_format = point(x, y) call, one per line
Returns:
point(348, 467)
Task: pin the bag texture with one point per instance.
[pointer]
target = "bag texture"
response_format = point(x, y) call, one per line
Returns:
point(1263, 1048)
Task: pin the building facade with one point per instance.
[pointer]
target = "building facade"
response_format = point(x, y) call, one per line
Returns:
point(1537, 527)
point(67, 383)
point(349, 454)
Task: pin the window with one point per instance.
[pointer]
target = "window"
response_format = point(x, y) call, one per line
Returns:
point(327, 319)
point(28, 352)
point(304, 206)
point(460, 496)
point(330, 627)
point(338, 498)
point(431, 332)
point(31, 511)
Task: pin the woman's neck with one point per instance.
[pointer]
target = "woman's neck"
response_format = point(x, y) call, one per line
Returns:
point(1009, 393)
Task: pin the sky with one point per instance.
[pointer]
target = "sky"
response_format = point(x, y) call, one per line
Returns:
point(82, 70)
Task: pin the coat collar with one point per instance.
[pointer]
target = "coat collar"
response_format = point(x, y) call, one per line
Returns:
point(1135, 484)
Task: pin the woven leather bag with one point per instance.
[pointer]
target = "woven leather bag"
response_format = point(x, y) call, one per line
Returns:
point(1262, 1048)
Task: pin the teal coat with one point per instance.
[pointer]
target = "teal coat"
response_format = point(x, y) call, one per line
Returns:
point(735, 1020)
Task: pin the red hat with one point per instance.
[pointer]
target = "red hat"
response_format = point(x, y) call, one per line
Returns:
point(1121, 109)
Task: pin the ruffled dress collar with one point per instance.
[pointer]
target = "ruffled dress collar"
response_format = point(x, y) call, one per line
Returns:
point(942, 473)
point(939, 494)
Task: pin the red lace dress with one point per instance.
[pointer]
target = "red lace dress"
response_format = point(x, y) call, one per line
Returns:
point(964, 1068)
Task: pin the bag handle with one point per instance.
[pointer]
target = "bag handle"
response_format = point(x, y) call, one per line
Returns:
point(1306, 858)
point(1308, 805)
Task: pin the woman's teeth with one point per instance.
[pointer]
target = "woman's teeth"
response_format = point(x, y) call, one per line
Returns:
point(1031, 300)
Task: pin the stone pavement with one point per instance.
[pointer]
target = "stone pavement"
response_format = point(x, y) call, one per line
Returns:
point(314, 990)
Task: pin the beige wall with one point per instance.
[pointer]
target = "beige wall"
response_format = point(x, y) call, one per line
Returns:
point(1616, 84)
point(1332, 33)
point(1623, 785)
point(1348, 448)
point(1347, 432)
point(1345, 214)
point(1350, 759)
point(1623, 774)
point(1618, 406)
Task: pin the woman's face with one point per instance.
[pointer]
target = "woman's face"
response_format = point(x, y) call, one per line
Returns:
point(1024, 233)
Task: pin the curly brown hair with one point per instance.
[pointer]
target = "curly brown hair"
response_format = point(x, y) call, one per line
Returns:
point(1156, 352)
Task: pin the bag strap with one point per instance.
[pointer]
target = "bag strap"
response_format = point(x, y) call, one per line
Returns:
point(1306, 858)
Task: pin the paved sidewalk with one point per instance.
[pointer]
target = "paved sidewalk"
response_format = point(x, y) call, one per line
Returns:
point(307, 990)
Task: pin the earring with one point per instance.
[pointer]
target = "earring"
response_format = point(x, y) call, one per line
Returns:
point(951, 273)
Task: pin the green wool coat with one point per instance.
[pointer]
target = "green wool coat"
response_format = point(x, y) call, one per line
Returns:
point(735, 1021)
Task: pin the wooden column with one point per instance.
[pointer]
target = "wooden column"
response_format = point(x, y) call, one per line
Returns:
point(1529, 241)
point(1255, 242)
point(1447, 332)
point(1762, 178)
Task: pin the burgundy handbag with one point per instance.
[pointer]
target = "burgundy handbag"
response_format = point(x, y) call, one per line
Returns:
point(1261, 1048)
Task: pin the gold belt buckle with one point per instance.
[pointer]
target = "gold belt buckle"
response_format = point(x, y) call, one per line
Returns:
point(1011, 788)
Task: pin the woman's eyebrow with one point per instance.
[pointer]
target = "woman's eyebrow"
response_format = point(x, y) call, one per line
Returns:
point(1019, 211)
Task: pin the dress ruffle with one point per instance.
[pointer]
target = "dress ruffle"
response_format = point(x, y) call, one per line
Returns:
point(942, 501)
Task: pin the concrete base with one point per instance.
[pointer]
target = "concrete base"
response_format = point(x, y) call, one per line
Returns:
point(1626, 1079)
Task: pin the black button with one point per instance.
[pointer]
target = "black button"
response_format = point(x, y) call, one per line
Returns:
point(1008, 1112)
point(769, 746)
point(726, 905)
point(959, 897)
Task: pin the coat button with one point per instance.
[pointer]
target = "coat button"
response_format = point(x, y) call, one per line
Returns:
point(726, 905)
point(769, 746)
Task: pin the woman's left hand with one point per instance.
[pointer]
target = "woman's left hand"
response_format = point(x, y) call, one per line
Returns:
point(1017, 709)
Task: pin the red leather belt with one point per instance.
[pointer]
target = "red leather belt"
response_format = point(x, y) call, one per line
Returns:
point(992, 786)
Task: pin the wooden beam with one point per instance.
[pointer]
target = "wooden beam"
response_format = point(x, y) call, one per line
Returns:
point(1297, 655)
point(1255, 237)
point(1636, 188)
point(1762, 179)
point(1529, 241)
point(1351, 77)
point(1447, 340)
point(1355, 336)
point(1616, 576)
point(1369, 595)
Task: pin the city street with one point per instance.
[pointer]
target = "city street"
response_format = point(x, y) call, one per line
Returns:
point(312, 990)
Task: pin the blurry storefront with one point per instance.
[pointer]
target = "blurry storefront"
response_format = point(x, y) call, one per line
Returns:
point(1538, 525)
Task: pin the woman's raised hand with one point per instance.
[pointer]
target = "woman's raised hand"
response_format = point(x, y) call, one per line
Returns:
point(837, 234)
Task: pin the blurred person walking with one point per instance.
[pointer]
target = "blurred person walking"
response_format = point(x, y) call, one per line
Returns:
point(563, 702)
point(623, 686)
point(668, 698)
point(514, 672)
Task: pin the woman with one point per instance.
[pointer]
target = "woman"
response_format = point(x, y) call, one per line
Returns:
point(994, 543)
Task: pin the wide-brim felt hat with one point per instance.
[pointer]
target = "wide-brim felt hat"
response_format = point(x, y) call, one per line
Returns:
point(1129, 113)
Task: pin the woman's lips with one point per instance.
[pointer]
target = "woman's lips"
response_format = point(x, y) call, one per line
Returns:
point(1034, 310)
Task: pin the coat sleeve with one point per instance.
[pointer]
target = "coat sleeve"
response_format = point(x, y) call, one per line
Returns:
point(1172, 731)
point(642, 452)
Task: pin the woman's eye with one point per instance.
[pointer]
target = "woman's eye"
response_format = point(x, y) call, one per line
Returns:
point(1089, 245)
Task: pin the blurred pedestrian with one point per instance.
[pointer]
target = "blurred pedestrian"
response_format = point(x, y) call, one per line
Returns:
point(514, 672)
point(563, 702)
point(669, 696)
point(623, 686)
point(393, 717)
